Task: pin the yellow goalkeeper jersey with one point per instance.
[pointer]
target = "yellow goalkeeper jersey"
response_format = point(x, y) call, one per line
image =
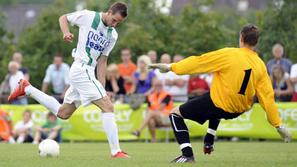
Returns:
point(239, 75)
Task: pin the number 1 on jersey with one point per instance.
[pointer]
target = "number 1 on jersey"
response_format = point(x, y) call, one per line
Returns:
point(245, 81)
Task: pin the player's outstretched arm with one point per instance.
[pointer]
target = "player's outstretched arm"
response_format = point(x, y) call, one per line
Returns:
point(67, 36)
point(265, 95)
point(161, 66)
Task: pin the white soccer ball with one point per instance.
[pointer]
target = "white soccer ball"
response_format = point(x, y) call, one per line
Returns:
point(49, 148)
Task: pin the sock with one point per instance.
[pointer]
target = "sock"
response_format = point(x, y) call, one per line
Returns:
point(181, 134)
point(11, 140)
point(211, 131)
point(111, 130)
point(48, 101)
point(20, 139)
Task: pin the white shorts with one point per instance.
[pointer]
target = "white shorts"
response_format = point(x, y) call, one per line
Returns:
point(84, 87)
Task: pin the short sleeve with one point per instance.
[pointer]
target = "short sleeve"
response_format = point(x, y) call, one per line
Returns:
point(79, 18)
point(47, 78)
point(293, 73)
point(112, 43)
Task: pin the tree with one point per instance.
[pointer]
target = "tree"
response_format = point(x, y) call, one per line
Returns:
point(279, 26)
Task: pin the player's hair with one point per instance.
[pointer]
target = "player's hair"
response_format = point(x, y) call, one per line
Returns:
point(119, 7)
point(50, 114)
point(250, 34)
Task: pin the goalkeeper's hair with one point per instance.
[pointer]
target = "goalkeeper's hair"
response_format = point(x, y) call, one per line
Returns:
point(250, 34)
point(119, 7)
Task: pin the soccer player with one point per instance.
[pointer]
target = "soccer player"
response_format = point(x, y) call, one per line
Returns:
point(97, 36)
point(239, 75)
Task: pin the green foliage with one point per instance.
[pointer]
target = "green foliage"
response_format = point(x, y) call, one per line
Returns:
point(6, 47)
point(279, 26)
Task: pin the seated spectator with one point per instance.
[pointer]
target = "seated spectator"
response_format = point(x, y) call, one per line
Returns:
point(57, 76)
point(114, 82)
point(11, 82)
point(143, 77)
point(152, 54)
point(5, 127)
point(282, 85)
point(23, 129)
point(176, 85)
point(50, 130)
point(278, 54)
point(293, 77)
point(197, 86)
point(127, 68)
point(18, 57)
point(160, 104)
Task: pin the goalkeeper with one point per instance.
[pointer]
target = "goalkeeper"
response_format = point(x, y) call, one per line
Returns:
point(239, 75)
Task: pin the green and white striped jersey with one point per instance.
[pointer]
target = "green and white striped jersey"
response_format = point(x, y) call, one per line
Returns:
point(94, 39)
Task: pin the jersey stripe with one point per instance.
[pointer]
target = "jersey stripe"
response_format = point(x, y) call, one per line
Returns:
point(95, 25)
point(96, 21)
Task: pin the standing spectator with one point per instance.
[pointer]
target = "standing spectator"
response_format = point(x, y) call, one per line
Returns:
point(178, 58)
point(11, 82)
point(197, 86)
point(152, 54)
point(57, 76)
point(23, 129)
point(278, 54)
point(281, 83)
point(176, 85)
point(5, 127)
point(159, 105)
point(293, 77)
point(114, 82)
point(50, 130)
point(143, 77)
point(18, 57)
point(127, 68)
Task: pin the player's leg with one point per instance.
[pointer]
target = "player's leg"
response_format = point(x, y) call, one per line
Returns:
point(181, 132)
point(110, 126)
point(210, 135)
point(25, 88)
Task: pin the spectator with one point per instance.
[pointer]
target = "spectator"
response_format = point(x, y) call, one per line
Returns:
point(50, 130)
point(5, 127)
point(178, 58)
point(293, 77)
point(197, 86)
point(152, 54)
point(127, 68)
point(160, 104)
point(143, 77)
point(282, 85)
point(114, 82)
point(12, 79)
point(176, 85)
point(57, 76)
point(278, 53)
point(18, 57)
point(23, 129)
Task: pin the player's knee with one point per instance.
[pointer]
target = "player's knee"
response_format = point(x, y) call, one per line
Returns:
point(108, 106)
point(175, 110)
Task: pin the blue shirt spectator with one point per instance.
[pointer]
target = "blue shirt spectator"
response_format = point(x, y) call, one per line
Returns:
point(57, 76)
point(278, 52)
point(143, 86)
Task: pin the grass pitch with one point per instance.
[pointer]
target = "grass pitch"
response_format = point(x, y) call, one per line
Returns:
point(227, 154)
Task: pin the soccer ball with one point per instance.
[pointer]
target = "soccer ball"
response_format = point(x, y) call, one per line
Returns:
point(49, 148)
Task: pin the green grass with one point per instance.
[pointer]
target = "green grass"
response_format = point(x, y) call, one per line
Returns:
point(227, 154)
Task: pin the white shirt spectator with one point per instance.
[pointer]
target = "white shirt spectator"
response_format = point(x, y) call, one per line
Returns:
point(58, 77)
point(14, 79)
point(179, 94)
point(293, 74)
point(22, 125)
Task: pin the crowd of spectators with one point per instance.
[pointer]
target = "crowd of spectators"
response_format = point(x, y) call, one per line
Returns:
point(127, 78)
point(24, 131)
point(123, 82)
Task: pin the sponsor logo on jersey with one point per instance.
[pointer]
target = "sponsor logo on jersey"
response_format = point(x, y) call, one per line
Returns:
point(97, 41)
